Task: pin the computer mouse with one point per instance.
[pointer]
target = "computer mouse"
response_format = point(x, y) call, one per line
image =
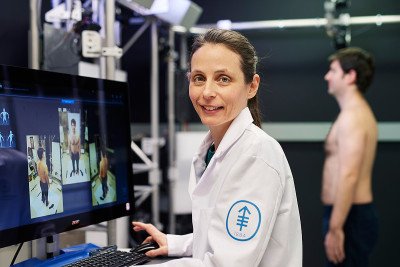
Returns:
point(143, 248)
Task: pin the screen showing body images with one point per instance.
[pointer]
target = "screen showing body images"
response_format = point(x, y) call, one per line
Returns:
point(64, 153)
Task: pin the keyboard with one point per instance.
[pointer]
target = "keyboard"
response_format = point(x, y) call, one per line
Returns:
point(111, 257)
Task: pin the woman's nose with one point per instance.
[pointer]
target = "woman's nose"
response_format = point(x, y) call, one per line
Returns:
point(209, 90)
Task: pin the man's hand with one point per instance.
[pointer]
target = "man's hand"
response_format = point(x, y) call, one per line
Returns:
point(334, 245)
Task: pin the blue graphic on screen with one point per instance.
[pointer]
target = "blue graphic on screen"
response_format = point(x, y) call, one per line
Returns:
point(4, 117)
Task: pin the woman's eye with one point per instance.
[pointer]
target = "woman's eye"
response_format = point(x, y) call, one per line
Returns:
point(224, 79)
point(198, 79)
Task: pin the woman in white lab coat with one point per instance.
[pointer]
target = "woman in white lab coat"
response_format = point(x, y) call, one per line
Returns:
point(244, 206)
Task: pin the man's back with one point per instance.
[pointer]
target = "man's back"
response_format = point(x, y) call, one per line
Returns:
point(43, 172)
point(103, 167)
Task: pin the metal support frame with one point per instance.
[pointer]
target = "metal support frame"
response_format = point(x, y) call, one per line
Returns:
point(136, 36)
point(378, 20)
point(34, 43)
point(110, 74)
point(150, 165)
point(155, 174)
point(172, 169)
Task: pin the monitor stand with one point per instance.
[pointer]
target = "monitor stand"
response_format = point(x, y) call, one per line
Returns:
point(46, 247)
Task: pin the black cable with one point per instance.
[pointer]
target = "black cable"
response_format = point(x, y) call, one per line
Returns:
point(16, 254)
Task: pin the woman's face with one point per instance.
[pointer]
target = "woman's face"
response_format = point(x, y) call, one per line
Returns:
point(217, 87)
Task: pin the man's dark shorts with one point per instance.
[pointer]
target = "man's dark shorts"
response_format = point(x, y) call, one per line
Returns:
point(361, 234)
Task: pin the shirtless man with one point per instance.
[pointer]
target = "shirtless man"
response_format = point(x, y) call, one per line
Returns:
point(74, 145)
point(43, 173)
point(350, 152)
point(103, 173)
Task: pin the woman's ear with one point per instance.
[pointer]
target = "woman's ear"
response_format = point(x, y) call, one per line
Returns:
point(253, 88)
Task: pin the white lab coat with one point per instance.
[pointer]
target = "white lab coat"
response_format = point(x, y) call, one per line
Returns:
point(244, 204)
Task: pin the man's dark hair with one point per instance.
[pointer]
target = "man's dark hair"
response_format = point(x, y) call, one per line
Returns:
point(103, 150)
point(40, 152)
point(359, 60)
point(73, 121)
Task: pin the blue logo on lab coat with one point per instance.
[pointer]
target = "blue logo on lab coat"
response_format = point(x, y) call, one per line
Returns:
point(243, 220)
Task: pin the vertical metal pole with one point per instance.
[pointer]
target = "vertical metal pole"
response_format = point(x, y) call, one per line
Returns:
point(171, 129)
point(34, 46)
point(38, 246)
point(110, 74)
point(110, 19)
point(155, 173)
point(183, 53)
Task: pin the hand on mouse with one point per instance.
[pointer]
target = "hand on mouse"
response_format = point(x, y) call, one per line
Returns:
point(156, 236)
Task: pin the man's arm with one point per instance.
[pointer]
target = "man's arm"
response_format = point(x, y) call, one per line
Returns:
point(46, 172)
point(79, 144)
point(351, 139)
point(101, 168)
point(69, 142)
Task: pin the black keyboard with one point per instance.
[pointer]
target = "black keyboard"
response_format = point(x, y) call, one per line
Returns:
point(111, 257)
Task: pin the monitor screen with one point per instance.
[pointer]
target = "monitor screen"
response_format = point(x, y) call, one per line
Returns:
point(65, 159)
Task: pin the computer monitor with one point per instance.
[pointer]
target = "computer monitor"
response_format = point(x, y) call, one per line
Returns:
point(65, 159)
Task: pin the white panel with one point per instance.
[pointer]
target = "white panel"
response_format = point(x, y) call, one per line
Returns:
point(56, 160)
point(187, 145)
point(93, 159)
point(93, 70)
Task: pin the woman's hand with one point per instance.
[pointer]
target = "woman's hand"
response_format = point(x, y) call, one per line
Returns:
point(155, 235)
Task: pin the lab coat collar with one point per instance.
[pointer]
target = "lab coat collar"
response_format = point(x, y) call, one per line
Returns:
point(235, 130)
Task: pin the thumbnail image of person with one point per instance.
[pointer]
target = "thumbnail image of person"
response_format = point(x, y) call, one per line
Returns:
point(45, 189)
point(43, 173)
point(104, 184)
point(1, 140)
point(103, 166)
point(74, 153)
point(74, 146)
point(4, 117)
point(10, 139)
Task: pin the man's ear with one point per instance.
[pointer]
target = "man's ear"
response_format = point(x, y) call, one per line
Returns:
point(351, 76)
point(253, 88)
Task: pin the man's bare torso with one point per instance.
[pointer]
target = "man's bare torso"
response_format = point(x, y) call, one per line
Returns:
point(367, 124)
point(75, 142)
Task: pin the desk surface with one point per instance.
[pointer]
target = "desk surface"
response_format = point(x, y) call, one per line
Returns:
point(157, 260)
